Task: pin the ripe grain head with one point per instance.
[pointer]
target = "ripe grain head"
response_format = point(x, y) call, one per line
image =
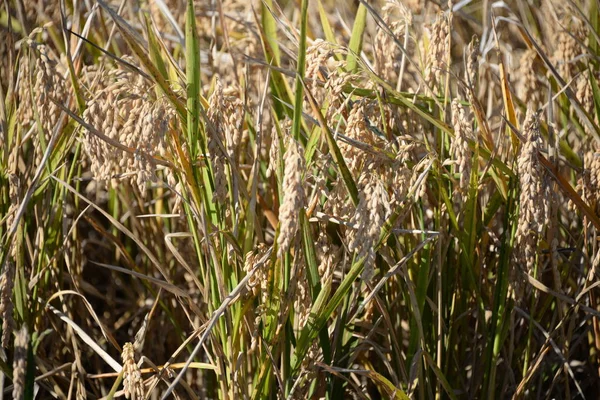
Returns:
point(293, 196)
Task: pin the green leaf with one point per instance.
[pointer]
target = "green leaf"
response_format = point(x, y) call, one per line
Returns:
point(594, 14)
point(329, 35)
point(390, 391)
point(440, 375)
point(269, 28)
point(356, 40)
point(192, 70)
point(282, 92)
point(297, 121)
point(154, 48)
point(310, 254)
point(311, 145)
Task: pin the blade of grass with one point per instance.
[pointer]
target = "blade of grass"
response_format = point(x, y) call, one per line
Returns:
point(440, 375)
point(268, 35)
point(329, 35)
point(356, 40)
point(594, 25)
point(87, 339)
point(192, 70)
point(390, 391)
point(162, 284)
point(154, 48)
point(107, 335)
point(299, 89)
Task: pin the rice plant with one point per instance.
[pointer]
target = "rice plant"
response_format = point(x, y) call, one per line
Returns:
point(299, 199)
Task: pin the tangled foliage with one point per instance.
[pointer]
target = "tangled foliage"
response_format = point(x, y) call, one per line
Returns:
point(315, 199)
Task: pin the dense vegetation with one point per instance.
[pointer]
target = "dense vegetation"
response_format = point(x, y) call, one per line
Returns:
point(299, 199)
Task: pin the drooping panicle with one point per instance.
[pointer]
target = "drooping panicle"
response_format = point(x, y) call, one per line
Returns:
point(293, 195)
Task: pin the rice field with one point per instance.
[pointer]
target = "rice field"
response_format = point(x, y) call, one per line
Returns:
point(301, 199)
